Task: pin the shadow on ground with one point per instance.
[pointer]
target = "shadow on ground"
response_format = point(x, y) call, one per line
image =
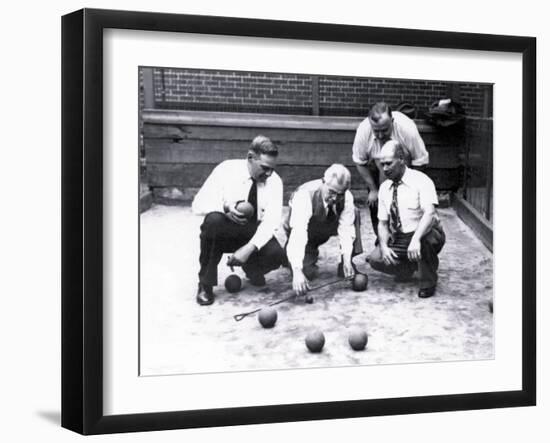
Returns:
point(53, 417)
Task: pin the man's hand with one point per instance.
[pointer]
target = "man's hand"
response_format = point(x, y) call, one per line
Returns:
point(413, 251)
point(241, 255)
point(389, 257)
point(372, 198)
point(349, 272)
point(235, 215)
point(300, 283)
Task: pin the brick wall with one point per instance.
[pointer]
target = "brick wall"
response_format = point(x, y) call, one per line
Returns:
point(231, 91)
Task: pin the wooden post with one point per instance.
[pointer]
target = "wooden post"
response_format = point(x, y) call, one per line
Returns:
point(148, 89)
point(489, 187)
point(315, 95)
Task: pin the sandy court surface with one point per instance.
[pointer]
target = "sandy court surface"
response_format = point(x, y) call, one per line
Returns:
point(179, 336)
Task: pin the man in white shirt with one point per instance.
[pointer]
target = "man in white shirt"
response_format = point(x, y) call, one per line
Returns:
point(409, 232)
point(380, 126)
point(318, 210)
point(225, 229)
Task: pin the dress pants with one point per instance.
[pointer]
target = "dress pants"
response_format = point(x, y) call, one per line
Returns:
point(220, 235)
point(430, 245)
point(320, 233)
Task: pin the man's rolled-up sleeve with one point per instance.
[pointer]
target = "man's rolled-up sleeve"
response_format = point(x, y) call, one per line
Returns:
point(272, 215)
point(210, 195)
point(299, 221)
point(416, 146)
point(360, 153)
point(428, 194)
point(383, 209)
point(346, 226)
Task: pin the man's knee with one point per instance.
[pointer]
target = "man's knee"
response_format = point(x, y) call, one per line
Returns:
point(433, 241)
point(375, 260)
point(273, 253)
point(212, 222)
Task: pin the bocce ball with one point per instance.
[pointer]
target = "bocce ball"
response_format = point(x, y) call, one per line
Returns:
point(358, 339)
point(233, 283)
point(315, 341)
point(246, 209)
point(360, 282)
point(267, 317)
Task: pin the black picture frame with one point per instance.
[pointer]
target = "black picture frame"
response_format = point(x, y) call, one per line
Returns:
point(82, 218)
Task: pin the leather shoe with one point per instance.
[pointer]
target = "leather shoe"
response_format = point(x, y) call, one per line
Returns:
point(426, 292)
point(205, 295)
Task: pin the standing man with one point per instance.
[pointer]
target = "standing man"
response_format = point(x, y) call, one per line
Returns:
point(318, 210)
point(226, 229)
point(409, 232)
point(380, 126)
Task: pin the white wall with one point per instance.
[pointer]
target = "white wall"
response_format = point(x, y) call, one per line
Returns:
point(30, 234)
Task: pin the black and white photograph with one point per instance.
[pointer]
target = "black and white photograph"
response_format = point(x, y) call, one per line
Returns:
point(299, 221)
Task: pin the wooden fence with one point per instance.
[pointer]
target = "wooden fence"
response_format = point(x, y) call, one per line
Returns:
point(181, 148)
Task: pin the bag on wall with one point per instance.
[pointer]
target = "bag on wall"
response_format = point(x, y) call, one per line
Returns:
point(445, 112)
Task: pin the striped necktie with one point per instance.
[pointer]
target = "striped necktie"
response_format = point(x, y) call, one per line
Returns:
point(395, 220)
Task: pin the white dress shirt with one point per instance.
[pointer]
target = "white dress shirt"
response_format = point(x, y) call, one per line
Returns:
point(301, 213)
point(366, 146)
point(415, 194)
point(230, 182)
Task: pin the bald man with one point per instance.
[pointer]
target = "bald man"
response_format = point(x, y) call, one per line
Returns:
point(382, 125)
point(409, 232)
point(320, 209)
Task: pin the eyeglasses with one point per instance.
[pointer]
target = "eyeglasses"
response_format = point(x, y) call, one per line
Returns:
point(334, 193)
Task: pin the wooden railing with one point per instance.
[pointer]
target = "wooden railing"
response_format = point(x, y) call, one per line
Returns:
point(182, 147)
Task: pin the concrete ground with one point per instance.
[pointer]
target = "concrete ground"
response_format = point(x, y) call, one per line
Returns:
point(179, 336)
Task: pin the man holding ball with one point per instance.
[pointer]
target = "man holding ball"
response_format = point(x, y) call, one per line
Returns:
point(226, 227)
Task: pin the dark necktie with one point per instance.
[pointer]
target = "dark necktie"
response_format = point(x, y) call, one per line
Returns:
point(395, 220)
point(331, 212)
point(253, 198)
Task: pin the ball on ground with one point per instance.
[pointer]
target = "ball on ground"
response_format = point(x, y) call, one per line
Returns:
point(267, 317)
point(246, 209)
point(360, 282)
point(233, 283)
point(315, 341)
point(358, 339)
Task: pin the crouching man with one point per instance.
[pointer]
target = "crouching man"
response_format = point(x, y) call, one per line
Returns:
point(318, 210)
point(226, 229)
point(409, 232)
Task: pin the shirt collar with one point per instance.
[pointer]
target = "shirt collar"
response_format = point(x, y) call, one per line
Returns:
point(406, 179)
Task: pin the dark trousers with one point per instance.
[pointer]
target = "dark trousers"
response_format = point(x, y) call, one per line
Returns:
point(374, 218)
point(430, 245)
point(319, 234)
point(220, 235)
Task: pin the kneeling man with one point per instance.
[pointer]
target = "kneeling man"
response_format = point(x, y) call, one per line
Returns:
point(226, 229)
point(409, 232)
point(318, 210)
